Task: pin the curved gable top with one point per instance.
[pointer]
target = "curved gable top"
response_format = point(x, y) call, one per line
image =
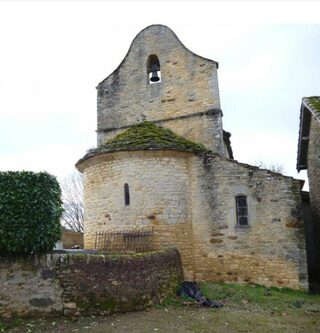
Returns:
point(153, 32)
point(187, 83)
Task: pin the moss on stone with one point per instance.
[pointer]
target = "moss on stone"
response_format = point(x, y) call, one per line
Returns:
point(145, 136)
point(108, 305)
point(93, 302)
point(314, 102)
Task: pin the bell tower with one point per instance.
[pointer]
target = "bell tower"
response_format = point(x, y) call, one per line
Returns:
point(163, 82)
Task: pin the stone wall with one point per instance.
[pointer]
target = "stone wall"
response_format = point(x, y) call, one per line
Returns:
point(189, 86)
point(29, 286)
point(199, 127)
point(72, 238)
point(314, 167)
point(271, 250)
point(80, 284)
point(190, 202)
point(314, 188)
point(159, 197)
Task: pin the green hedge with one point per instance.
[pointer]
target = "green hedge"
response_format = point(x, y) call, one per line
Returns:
point(30, 212)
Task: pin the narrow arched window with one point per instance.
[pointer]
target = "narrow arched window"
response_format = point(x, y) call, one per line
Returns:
point(126, 195)
point(242, 211)
point(153, 69)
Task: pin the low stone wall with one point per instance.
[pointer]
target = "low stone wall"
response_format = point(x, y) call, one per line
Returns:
point(86, 284)
point(29, 286)
point(71, 238)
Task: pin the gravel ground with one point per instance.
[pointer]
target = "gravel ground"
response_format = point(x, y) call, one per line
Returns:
point(181, 320)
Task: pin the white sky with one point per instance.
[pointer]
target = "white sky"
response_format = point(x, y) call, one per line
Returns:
point(53, 55)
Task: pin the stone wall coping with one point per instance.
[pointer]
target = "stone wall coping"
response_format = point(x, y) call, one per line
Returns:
point(253, 167)
point(54, 256)
point(75, 251)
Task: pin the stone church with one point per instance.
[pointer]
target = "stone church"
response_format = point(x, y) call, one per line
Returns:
point(164, 160)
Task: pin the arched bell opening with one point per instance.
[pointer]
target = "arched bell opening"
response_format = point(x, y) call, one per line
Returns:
point(153, 69)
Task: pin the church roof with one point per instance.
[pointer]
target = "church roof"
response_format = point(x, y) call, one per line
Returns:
point(310, 107)
point(146, 136)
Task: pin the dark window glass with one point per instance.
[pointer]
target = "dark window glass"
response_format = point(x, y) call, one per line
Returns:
point(242, 211)
point(126, 195)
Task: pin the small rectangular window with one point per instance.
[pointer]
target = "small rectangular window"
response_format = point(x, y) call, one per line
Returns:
point(242, 211)
point(126, 195)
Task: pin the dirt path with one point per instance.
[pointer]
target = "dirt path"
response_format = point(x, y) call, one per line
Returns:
point(182, 320)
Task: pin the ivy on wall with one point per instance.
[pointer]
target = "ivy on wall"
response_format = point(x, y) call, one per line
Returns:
point(30, 212)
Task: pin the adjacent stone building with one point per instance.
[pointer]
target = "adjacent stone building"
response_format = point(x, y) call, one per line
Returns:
point(309, 158)
point(164, 160)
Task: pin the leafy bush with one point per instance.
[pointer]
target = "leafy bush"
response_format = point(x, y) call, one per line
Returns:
point(30, 212)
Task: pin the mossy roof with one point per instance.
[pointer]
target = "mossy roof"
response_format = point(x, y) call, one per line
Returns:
point(146, 136)
point(313, 103)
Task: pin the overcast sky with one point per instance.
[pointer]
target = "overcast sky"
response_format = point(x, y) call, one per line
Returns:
point(53, 55)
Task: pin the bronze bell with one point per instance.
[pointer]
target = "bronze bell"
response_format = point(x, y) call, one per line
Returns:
point(154, 73)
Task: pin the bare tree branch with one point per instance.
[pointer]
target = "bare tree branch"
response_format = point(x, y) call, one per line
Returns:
point(72, 197)
point(278, 168)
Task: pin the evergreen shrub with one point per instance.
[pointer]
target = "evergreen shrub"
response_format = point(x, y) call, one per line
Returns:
point(30, 212)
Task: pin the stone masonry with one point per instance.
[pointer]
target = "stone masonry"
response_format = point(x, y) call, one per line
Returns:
point(190, 203)
point(186, 100)
point(314, 188)
point(84, 284)
point(159, 192)
point(271, 249)
point(314, 167)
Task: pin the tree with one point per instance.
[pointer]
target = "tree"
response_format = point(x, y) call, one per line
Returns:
point(30, 212)
point(277, 168)
point(72, 197)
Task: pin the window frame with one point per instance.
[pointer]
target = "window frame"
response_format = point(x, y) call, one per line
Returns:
point(242, 211)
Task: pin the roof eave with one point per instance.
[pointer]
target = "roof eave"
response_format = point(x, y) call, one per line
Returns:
point(88, 156)
point(303, 141)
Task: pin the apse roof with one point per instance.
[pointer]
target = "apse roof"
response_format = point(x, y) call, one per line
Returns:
point(146, 136)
